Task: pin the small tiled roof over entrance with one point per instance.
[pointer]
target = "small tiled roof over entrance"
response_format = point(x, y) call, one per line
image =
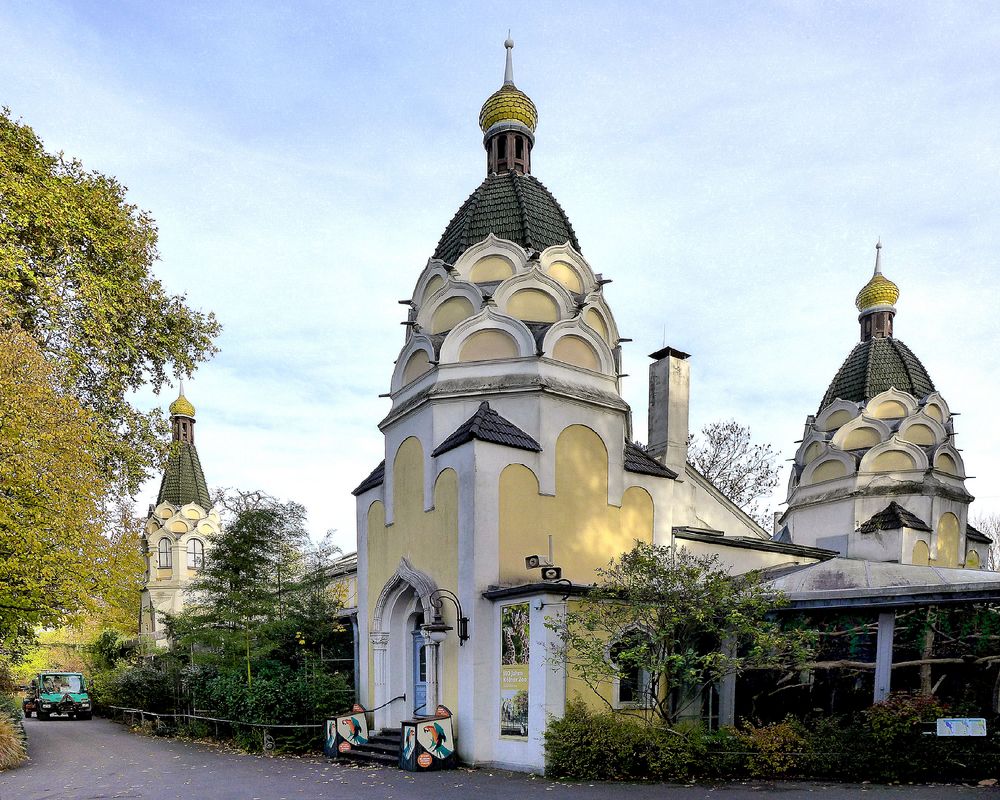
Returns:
point(976, 535)
point(874, 366)
point(510, 206)
point(487, 425)
point(183, 479)
point(891, 518)
point(376, 478)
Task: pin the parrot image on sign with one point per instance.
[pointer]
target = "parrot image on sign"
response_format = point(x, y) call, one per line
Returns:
point(438, 738)
point(409, 741)
point(354, 729)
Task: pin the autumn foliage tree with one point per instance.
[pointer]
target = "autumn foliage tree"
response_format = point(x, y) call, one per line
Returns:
point(75, 275)
point(56, 564)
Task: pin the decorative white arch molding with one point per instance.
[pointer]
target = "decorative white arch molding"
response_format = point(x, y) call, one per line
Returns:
point(907, 401)
point(573, 327)
point(863, 421)
point(894, 444)
point(935, 399)
point(566, 252)
point(830, 455)
point(491, 246)
point(534, 278)
point(822, 422)
point(948, 449)
point(417, 342)
point(487, 319)
point(808, 441)
point(406, 576)
point(597, 304)
point(434, 269)
point(922, 418)
point(452, 288)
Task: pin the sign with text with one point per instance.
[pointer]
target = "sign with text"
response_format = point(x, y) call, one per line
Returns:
point(514, 652)
point(961, 726)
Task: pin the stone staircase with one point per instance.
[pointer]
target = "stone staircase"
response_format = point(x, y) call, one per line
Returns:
point(382, 749)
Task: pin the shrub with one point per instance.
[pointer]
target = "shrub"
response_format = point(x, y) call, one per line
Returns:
point(775, 750)
point(12, 744)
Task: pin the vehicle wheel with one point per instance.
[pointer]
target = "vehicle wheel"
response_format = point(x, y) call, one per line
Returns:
point(27, 714)
point(71, 715)
point(85, 715)
point(43, 715)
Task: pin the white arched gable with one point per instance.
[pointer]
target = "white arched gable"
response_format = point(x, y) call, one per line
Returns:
point(453, 288)
point(434, 269)
point(907, 401)
point(948, 449)
point(417, 342)
point(822, 422)
point(597, 304)
point(491, 246)
point(812, 438)
point(534, 278)
point(935, 399)
point(922, 418)
point(487, 319)
point(405, 576)
point(566, 252)
point(894, 444)
point(863, 421)
point(828, 457)
point(573, 327)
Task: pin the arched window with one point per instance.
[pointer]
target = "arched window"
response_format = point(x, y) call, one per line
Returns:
point(165, 560)
point(196, 554)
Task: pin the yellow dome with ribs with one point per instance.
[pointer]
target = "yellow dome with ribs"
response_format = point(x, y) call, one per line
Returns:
point(879, 291)
point(508, 103)
point(181, 407)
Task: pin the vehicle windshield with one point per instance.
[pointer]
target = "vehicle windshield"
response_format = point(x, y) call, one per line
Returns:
point(62, 683)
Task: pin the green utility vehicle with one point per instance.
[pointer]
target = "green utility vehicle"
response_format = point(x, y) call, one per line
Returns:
point(58, 693)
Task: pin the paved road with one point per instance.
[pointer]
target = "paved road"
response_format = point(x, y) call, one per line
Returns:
point(99, 759)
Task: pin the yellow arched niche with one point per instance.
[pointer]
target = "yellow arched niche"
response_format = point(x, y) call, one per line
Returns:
point(488, 344)
point(533, 305)
point(972, 560)
point(433, 285)
point(933, 410)
point(945, 463)
point(920, 434)
point(594, 319)
point(577, 351)
point(566, 275)
point(892, 460)
point(416, 365)
point(837, 419)
point(947, 541)
point(861, 438)
point(889, 409)
point(587, 531)
point(828, 471)
point(812, 452)
point(450, 313)
point(921, 554)
point(491, 268)
point(428, 539)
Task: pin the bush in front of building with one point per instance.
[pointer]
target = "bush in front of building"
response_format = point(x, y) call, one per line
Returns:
point(890, 741)
point(13, 744)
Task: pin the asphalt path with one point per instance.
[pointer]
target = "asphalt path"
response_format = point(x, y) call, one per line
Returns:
point(80, 760)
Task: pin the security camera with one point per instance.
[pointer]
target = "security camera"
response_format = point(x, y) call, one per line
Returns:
point(551, 573)
point(533, 562)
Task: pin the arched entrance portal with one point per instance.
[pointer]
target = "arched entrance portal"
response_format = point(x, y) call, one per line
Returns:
point(405, 663)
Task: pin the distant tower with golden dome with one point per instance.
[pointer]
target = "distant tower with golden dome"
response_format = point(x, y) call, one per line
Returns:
point(179, 527)
point(877, 475)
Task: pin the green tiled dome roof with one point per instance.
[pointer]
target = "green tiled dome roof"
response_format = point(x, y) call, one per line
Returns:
point(510, 206)
point(875, 366)
point(183, 480)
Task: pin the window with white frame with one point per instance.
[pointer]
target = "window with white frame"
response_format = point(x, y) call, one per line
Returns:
point(632, 684)
point(165, 558)
point(196, 554)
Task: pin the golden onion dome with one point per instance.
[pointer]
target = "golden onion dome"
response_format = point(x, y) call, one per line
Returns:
point(181, 407)
point(879, 291)
point(508, 103)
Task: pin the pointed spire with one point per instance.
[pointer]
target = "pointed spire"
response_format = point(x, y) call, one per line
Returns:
point(508, 73)
point(878, 256)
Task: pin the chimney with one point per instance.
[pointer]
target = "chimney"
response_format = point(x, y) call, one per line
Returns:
point(669, 395)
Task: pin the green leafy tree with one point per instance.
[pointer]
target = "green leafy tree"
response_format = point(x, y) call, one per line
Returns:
point(681, 621)
point(75, 275)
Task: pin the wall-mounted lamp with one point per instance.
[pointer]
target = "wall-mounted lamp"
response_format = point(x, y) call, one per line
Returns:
point(437, 629)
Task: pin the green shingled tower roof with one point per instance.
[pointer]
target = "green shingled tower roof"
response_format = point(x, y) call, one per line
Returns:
point(183, 479)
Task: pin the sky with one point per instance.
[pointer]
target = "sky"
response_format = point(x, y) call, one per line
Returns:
point(729, 165)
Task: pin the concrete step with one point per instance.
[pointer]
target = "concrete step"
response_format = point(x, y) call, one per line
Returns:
point(369, 757)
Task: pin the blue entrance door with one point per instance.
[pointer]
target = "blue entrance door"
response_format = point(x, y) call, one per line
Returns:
point(419, 673)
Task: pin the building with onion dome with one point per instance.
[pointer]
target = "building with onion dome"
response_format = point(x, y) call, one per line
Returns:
point(877, 475)
point(509, 462)
point(179, 526)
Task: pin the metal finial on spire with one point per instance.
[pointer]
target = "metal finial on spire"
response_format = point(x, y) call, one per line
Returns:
point(878, 256)
point(508, 73)
point(181, 392)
